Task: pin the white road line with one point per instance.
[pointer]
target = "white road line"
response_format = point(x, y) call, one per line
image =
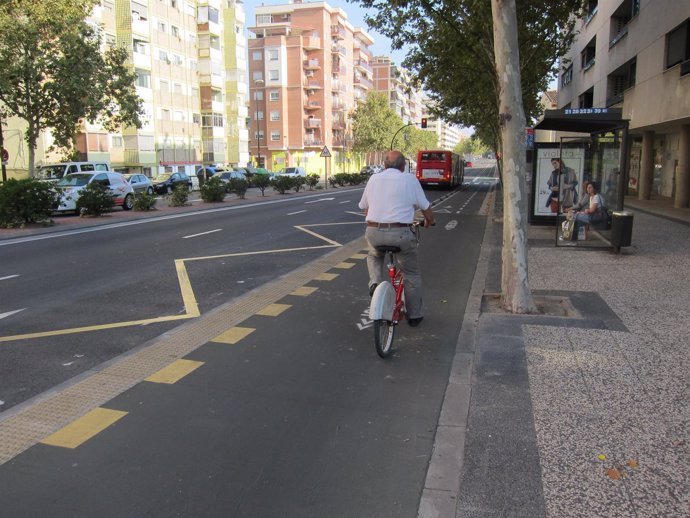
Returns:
point(10, 313)
point(298, 212)
point(203, 233)
point(8, 277)
point(320, 199)
point(346, 201)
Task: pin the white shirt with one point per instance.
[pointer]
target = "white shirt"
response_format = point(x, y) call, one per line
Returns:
point(392, 197)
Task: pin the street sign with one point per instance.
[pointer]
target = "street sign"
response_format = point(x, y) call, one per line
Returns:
point(325, 152)
point(4, 156)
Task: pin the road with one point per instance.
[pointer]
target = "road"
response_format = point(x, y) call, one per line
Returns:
point(300, 418)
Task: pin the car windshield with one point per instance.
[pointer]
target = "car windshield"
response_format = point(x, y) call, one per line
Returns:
point(75, 180)
point(51, 172)
point(162, 177)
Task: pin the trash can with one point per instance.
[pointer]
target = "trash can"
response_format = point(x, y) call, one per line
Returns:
point(621, 228)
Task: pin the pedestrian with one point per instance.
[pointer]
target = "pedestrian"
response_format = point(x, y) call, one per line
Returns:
point(389, 201)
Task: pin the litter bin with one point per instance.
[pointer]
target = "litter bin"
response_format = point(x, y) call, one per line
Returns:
point(621, 228)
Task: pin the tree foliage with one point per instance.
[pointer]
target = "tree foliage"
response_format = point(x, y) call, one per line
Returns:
point(53, 73)
point(471, 146)
point(450, 46)
point(374, 123)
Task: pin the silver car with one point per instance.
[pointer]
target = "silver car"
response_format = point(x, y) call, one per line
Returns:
point(140, 183)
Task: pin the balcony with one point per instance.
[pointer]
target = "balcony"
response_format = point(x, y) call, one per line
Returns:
point(365, 51)
point(338, 105)
point(363, 65)
point(312, 140)
point(312, 105)
point(312, 123)
point(338, 86)
point(311, 64)
point(363, 82)
point(339, 123)
point(339, 49)
point(338, 32)
point(311, 43)
point(311, 84)
point(618, 37)
point(339, 69)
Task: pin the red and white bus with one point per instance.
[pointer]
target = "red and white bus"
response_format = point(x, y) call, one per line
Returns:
point(440, 167)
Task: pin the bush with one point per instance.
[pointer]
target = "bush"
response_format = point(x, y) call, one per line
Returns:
point(213, 190)
point(94, 200)
point(238, 186)
point(179, 196)
point(282, 183)
point(298, 182)
point(26, 201)
point(144, 201)
point(312, 181)
point(261, 181)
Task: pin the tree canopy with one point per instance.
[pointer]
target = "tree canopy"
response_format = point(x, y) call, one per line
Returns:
point(54, 74)
point(450, 46)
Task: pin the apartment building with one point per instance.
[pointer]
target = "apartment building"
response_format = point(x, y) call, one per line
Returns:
point(635, 55)
point(307, 67)
point(190, 62)
point(396, 82)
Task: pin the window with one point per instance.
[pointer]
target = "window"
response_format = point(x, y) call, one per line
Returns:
point(620, 19)
point(257, 55)
point(161, 26)
point(173, 4)
point(258, 135)
point(273, 55)
point(139, 47)
point(196, 118)
point(591, 9)
point(165, 114)
point(274, 96)
point(588, 54)
point(207, 14)
point(218, 120)
point(567, 76)
point(177, 88)
point(192, 64)
point(177, 60)
point(275, 115)
point(678, 44)
point(163, 55)
point(139, 11)
point(273, 75)
point(175, 31)
point(164, 86)
point(257, 76)
point(275, 135)
point(258, 115)
point(619, 81)
point(216, 95)
point(214, 42)
point(143, 78)
point(586, 100)
point(259, 95)
point(116, 141)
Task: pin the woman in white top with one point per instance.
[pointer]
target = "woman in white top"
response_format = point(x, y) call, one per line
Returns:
point(592, 214)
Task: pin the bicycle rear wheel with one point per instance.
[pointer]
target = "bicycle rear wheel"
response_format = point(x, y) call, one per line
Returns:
point(384, 330)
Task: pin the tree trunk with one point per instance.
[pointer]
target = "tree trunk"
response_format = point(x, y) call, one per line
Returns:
point(516, 296)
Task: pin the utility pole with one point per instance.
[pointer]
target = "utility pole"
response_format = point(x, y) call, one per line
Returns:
point(3, 158)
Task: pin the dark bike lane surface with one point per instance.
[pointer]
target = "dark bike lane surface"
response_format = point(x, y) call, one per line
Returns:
point(290, 412)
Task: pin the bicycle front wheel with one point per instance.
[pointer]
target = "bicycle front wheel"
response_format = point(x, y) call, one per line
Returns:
point(384, 330)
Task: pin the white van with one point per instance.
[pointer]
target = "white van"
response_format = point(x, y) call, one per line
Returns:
point(293, 171)
point(54, 172)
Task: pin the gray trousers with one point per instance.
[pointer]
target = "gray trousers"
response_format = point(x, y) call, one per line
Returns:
point(407, 260)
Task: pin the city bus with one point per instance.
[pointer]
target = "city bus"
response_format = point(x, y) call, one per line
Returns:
point(440, 168)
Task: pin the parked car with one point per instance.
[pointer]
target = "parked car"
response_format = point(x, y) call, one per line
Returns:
point(371, 169)
point(54, 172)
point(140, 183)
point(226, 176)
point(70, 185)
point(167, 182)
point(293, 171)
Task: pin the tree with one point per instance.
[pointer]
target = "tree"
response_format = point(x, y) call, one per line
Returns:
point(471, 146)
point(54, 75)
point(374, 123)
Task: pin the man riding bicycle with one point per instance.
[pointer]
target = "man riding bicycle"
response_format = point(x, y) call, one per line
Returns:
point(389, 202)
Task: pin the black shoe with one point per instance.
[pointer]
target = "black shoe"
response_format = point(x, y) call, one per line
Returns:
point(372, 288)
point(414, 322)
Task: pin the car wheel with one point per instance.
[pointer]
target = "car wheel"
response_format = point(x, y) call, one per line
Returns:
point(128, 204)
point(149, 191)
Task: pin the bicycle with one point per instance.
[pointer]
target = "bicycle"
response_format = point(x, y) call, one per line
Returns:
point(387, 306)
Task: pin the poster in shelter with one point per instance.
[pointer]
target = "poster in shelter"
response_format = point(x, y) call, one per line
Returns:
point(558, 179)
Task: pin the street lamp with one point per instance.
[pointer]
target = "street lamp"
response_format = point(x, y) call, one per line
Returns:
point(258, 83)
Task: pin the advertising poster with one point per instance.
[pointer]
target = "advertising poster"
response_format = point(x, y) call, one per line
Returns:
point(567, 180)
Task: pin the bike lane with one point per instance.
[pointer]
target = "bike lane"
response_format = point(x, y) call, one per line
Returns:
point(286, 410)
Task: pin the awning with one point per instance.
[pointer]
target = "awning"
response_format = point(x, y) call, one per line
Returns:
point(583, 120)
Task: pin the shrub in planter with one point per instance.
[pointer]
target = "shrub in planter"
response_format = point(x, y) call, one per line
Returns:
point(312, 181)
point(213, 190)
point(282, 183)
point(261, 181)
point(144, 201)
point(298, 182)
point(179, 196)
point(26, 201)
point(94, 200)
point(238, 186)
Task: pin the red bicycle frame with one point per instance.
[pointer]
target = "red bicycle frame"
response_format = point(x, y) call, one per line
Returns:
point(398, 282)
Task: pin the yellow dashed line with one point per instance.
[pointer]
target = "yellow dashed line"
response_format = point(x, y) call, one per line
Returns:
point(358, 256)
point(233, 335)
point(174, 372)
point(78, 432)
point(304, 291)
point(344, 265)
point(273, 310)
point(326, 276)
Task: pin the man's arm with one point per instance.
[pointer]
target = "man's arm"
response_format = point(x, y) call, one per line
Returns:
point(429, 219)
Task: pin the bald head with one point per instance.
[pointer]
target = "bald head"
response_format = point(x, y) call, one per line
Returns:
point(394, 160)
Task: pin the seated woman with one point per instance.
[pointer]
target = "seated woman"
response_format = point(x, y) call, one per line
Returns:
point(593, 213)
point(584, 201)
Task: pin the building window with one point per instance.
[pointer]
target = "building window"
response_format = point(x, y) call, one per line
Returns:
point(259, 95)
point(274, 96)
point(139, 11)
point(275, 115)
point(163, 56)
point(163, 86)
point(177, 60)
point(586, 100)
point(588, 55)
point(591, 8)
point(258, 115)
point(619, 81)
point(273, 55)
point(620, 19)
point(218, 120)
point(257, 55)
point(196, 118)
point(165, 114)
point(175, 31)
point(678, 44)
point(257, 76)
point(116, 141)
point(273, 75)
point(139, 47)
point(567, 76)
point(275, 135)
point(177, 88)
point(161, 26)
point(258, 135)
point(143, 78)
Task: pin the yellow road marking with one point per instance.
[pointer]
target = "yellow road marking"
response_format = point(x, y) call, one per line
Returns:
point(174, 372)
point(81, 430)
point(358, 256)
point(233, 335)
point(304, 291)
point(273, 310)
point(190, 305)
point(326, 276)
point(303, 229)
point(344, 265)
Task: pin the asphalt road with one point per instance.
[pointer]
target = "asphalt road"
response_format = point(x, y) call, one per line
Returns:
point(301, 418)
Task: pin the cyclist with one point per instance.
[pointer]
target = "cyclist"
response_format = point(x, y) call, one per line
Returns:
point(389, 202)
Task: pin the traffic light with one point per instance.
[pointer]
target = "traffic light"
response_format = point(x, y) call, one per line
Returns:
point(423, 122)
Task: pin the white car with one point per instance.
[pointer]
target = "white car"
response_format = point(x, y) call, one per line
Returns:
point(71, 184)
point(293, 171)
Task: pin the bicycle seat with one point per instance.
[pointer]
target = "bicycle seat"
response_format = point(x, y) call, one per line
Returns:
point(388, 248)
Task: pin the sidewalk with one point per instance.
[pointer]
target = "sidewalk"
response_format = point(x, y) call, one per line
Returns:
point(584, 412)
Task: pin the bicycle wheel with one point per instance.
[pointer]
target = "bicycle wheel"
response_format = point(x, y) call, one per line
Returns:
point(384, 330)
